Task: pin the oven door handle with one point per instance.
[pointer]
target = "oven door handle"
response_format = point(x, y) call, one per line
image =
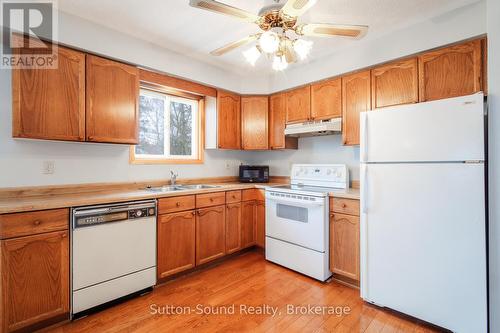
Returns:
point(295, 202)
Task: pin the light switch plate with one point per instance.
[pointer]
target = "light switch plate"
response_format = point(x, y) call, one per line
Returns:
point(48, 167)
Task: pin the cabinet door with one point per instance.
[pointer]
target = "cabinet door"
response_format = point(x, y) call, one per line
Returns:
point(254, 122)
point(355, 99)
point(277, 120)
point(450, 72)
point(248, 224)
point(260, 223)
point(112, 96)
point(50, 103)
point(35, 279)
point(229, 120)
point(298, 105)
point(326, 99)
point(344, 245)
point(395, 83)
point(233, 227)
point(176, 243)
point(210, 234)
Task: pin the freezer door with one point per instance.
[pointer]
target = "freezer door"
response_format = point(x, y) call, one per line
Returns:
point(445, 130)
point(423, 248)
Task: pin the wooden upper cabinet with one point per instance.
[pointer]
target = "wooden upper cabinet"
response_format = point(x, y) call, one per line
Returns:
point(112, 101)
point(277, 121)
point(355, 99)
point(50, 103)
point(254, 122)
point(450, 72)
point(229, 120)
point(298, 105)
point(395, 83)
point(176, 243)
point(326, 99)
point(35, 280)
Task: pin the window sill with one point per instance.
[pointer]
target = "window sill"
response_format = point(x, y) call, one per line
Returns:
point(157, 161)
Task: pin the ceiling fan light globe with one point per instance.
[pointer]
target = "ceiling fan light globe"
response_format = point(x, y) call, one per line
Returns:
point(269, 42)
point(252, 55)
point(302, 48)
point(279, 63)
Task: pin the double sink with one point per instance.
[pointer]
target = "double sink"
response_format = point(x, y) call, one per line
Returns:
point(171, 188)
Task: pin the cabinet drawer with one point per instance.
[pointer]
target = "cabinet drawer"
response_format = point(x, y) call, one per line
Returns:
point(233, 196)
point(252, 194)
point(30, 223)
point(344, 206)
point(210, 199)
point(175, 204)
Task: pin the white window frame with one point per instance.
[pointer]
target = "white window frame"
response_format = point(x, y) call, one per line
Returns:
point(196, 137)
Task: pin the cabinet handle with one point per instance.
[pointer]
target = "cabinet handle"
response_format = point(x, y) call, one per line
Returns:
point(63, 235)
point(344, 205)
point(37, 222)
point(178, 204)
point(193, 212)
point(211, 199)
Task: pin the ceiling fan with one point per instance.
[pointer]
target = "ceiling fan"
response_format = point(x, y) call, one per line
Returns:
point(279, 39)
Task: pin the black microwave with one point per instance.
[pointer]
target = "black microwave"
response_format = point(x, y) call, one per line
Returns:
point(254, 174)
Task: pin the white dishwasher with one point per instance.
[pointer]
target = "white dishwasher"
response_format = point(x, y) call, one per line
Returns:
point(113, 252)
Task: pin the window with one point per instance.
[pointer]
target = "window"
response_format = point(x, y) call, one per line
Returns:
point(169, 129)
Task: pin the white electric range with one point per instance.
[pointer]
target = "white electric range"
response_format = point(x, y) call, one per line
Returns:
point(297, 218)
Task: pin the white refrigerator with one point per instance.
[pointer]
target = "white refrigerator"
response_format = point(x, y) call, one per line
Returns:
point(423, 230)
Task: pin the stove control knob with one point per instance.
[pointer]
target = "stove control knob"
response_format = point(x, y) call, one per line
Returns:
point(329, 171)
point(138, 213)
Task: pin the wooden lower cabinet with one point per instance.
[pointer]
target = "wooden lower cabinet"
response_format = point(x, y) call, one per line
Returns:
point(248, 223)
point(344, 245)
point(176, 243)
point(260, 223)
point(233, 227)
point(210, 234)
point(35, 280)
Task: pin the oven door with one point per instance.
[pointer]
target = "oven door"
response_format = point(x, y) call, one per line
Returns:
point(297, 219)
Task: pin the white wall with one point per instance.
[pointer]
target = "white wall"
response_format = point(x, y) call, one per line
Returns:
point(463, 23)
point(493, 15)
point(324, 149)
point(21, 160)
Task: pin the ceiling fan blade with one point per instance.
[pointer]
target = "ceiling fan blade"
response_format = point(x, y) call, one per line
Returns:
point(296, 8)
point(231, 46)
point(323, 29)
point(218, 7)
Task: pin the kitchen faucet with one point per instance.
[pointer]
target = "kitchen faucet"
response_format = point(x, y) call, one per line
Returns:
point(173, 177)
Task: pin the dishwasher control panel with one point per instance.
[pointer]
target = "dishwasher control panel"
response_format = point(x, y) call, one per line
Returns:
point(88, 216)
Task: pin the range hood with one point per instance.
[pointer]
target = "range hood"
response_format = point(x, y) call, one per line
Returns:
point(316, 128)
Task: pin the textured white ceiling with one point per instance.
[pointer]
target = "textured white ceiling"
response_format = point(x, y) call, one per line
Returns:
point(175, 25)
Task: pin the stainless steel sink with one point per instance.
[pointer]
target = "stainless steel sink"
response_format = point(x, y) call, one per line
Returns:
point(197, 186)
point(171, 188)
point(166, 188)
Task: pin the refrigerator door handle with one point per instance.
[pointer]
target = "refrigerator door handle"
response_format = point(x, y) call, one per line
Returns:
point(364, 134)
point(365, 189)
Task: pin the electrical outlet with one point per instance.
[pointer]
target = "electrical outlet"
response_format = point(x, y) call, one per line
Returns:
point(228, 165)
point(48, 167)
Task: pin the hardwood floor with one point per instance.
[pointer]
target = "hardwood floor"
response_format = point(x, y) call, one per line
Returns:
point(245, 280)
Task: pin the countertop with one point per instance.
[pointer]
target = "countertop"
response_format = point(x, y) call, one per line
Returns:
point(24, 204)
